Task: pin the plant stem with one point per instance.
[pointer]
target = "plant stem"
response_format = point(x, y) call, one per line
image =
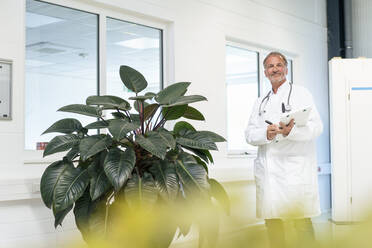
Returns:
point(107, 210)
point(162, 120)
point(142, 114)
point(148, 123)
point(157, 119)
point(103, 120)
point(137, 170)
point(127, 114)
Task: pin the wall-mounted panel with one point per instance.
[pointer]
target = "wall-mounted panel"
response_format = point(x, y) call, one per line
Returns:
point(5, 89)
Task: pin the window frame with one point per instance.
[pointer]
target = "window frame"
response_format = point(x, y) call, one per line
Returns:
point(261, 75)
point(103, 12)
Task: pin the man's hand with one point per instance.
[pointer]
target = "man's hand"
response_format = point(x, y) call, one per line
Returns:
point(286, 129)
point(272, 131)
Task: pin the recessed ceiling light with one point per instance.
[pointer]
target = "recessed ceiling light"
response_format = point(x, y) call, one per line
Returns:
point(47, 47)
point(140, 43)
point(36, 20)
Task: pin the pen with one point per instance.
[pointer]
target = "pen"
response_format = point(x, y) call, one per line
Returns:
point(270, 123)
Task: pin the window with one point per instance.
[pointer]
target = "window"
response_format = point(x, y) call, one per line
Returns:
point(245, 81)
point(61, 65)
point(137, 46)
point(63, 61)
point(242, 90)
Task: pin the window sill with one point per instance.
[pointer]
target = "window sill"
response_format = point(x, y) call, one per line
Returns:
point(241, 154)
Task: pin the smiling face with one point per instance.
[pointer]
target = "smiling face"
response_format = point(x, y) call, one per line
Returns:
point(275, 70)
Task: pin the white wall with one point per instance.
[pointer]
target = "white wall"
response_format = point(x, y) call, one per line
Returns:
point(361, 28)
point(196, 34)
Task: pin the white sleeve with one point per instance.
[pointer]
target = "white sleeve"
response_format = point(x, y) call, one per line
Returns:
point(255, 133)
point(311, 130)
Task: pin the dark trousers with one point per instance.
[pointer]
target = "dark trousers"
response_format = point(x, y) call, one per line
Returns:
point(304, 229)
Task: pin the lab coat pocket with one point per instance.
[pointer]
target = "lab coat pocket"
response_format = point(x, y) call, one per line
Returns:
point(296, 170)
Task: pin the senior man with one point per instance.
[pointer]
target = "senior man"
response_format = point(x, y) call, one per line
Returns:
point(285, 168)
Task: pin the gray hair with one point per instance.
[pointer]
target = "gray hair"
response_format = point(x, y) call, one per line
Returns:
point(277, 54)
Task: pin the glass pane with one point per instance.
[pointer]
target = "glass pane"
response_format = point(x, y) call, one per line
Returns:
point(61, 65)
point(137, 46)
point(242, 91)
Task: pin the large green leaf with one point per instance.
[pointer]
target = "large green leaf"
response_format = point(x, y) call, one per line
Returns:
point(67, 126)
point(70, 186)
point(98, 221)
point(201, 162)
point(135, 118)
point(173, 113)
point(109, 102)
point(84, 206)
point(141, 191)
point(199, 153)
point(172, 92)
point(119, 165)
point(182, 125)
point(182, 100)
point(98, 124)
point(120, 128)
point(150, 110)
point(208, 154)
point(82, 109)
point(132, 79)
point(50, 178)
point(219, 193)
point(192, 175)
point(59, 216)
point(99, 183)
point(212, 136)
point(73, 153)
point(154, 144)
point(92, 145)
point(119, 115)
point(193, 114)
point(61, 143)
point(141, 98)
point(165, 135)
point(165, 179)
point(196, 140)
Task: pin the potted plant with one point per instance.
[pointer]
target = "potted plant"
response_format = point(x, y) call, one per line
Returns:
point(134, 159)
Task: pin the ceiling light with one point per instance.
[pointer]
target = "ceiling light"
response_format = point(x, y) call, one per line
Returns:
point(46, 47)
point(140, 43)
point(36, 20)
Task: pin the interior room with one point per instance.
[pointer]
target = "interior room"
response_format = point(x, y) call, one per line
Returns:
point(59, 52)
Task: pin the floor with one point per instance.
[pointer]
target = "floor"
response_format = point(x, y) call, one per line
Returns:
point(327, 234)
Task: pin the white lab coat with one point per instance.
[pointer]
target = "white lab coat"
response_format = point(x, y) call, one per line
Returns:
point(285, 168)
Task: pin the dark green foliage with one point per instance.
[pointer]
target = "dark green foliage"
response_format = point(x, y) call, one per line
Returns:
point(67, 126)
point(134, 160)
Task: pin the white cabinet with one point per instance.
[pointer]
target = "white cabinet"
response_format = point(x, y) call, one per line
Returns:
point(351, 137)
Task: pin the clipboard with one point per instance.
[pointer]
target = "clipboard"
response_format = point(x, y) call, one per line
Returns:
point(300, 117)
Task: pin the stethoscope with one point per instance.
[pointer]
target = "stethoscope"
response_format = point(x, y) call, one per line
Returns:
point(285, 107)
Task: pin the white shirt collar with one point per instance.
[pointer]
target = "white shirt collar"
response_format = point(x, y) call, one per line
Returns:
point(282, 88)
